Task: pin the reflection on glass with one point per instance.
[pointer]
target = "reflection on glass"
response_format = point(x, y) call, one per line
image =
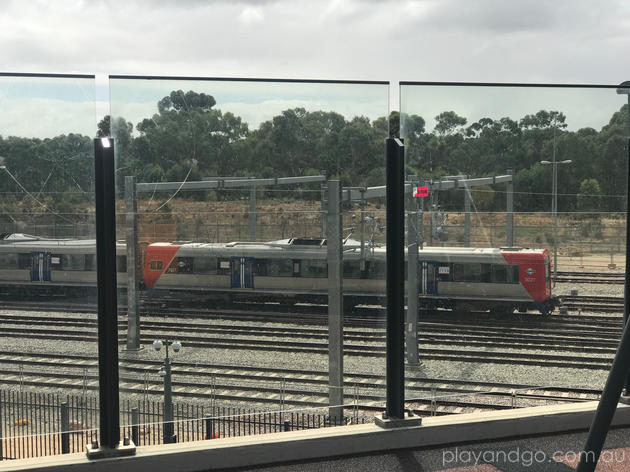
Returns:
point(47, 264)
point(524, 215)
point(230, 182)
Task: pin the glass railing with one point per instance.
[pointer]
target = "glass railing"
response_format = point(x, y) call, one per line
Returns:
point(231, 290)
point(47, 253)
point(521, 241)
point(225, 190)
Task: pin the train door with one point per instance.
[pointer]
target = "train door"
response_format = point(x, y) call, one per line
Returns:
point(242, 272)
point(40, 266)
point(428, 277)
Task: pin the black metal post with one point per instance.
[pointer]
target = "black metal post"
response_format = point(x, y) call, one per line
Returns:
point(64, 416)
point(107, 301)
point(616, 378)
point(626, 287)
point(135, 425)
point(334, 256)
point(395, 279)
point(169, 425)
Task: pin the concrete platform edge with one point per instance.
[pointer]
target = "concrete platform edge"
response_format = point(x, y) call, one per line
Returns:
point(326, 443)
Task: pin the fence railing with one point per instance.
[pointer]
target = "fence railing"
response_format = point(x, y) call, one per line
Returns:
point(41, 424)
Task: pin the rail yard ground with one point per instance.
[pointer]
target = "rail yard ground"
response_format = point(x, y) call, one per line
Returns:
point(478, 350)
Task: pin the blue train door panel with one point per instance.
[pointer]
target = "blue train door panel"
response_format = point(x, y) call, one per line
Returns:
point(242, 272)
point(40, 266)
point(428, 278)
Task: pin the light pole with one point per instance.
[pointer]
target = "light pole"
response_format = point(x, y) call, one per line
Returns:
point(624, 89)
point(165, 371)
point(554, 201)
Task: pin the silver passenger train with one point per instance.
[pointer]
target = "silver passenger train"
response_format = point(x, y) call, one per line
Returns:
point(30, 265)
point(291, 271)
point(296, 270)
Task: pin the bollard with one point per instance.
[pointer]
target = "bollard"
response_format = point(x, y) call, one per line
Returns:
point(65, 428)
point(287, 425)
point(135, 426)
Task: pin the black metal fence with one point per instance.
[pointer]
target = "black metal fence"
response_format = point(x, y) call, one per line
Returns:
point(41, 424)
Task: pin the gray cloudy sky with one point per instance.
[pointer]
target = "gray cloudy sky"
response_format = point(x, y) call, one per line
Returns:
point(575, 41)
point(556, 41)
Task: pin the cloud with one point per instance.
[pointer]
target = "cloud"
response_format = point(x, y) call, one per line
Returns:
point(252, 15)
point(487, 40)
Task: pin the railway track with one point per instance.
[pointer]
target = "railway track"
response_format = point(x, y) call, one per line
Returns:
point(584, 347)
point(275, 386)
point(596, 338)
point(593, 303)
point(317, 314)
point(585, 342)
point(361, 314)
point(590, 277)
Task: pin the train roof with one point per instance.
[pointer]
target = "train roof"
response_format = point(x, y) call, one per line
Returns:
point(29, 242)
point(348, 244)
point(351, 246)
point(295, 246)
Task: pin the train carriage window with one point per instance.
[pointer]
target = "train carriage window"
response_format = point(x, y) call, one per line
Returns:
point(505, 274)
point(466, 272)
point(458, 272)
point(351, 269)
point(486, 273)
point(296, 268)
point(280, 268)
point(260, 267)
point(474, 272)
point(313, 268)
point(121, 264)
point(72, 262)
point(156, 265)
point(499, 273)
point(377, 270)
point(55, 260)
point(205, 265)
point(90, 262)
point(24, 261)
point(8, 261)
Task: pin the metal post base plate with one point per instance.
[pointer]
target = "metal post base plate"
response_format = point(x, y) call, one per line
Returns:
point(94, 453)
point(390, 423)
point(133, 349)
